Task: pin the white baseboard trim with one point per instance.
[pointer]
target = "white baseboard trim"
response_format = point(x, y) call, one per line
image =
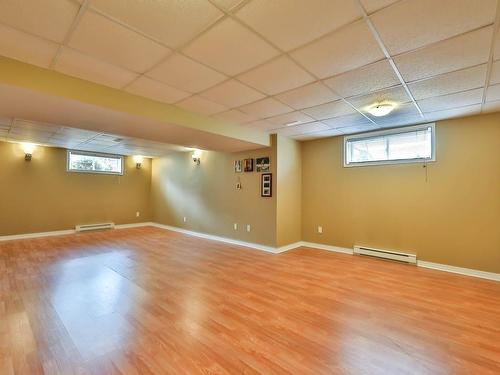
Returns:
point(134, 225)
point(270, 249)
point(320, 246)
point(459, 270)
point(64, 232)
point(36, 235)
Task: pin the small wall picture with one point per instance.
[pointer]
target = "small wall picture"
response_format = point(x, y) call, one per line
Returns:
point(266, 185)
point(238, 166)
point(263, 164)
point(248, 165)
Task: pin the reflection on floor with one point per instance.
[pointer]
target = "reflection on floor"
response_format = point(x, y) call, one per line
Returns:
point(149, 301)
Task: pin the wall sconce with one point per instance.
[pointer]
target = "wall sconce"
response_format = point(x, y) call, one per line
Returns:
point(138, 159)
point(28, 149)
point(196, 156)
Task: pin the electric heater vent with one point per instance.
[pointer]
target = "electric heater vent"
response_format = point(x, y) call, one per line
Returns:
point(88, 227)
point(386, 254)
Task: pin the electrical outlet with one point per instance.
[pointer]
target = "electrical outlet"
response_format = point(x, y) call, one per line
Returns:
point(320, 229)
point(137, 214)
point(235, 226)
point(184, 219)
point(249, 228)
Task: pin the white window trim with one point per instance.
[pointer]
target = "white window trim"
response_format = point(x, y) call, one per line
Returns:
point(387, 132)
point(94, 154)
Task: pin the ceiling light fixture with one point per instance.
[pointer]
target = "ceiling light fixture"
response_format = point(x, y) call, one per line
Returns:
point(381, 109)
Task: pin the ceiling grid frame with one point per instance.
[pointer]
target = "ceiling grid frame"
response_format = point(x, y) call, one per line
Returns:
point(491, 57)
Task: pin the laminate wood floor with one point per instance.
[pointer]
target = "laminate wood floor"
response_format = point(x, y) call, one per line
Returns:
point(150, 301)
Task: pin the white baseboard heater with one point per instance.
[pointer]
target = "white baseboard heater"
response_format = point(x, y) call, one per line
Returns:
point(99, 226)
point(386, 254)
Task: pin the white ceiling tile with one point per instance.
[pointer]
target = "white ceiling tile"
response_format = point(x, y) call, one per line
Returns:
point(461, 80)
point(235, 116)
point(451, 101)
point(150, 88)
point(292, 117)
point(354, 119)
point(35, 126)
point(268, 107)
point(364, 80)
point(50, 19)
point(317, 135)
point(201, 105)
point(172, 22)
point(276, 76)
point(327, 110)
point(186, 74)
point(261, 125)
point(77, 64)
point(302, 129)
point(455, 112)
point(76, 133)
point(460, 52)
point(491, 106)
point(411, 24)
point(493, 93)
point(227, 4)
point(307, 96)
point(232, 94)
point(395, 95)
point(374, 5)
point(346, 49)
point(292, 23)
point(495, 73)
point(357, 129)
point(27, 48)
point(99, 37)
point(230, 48)
point(496, 46)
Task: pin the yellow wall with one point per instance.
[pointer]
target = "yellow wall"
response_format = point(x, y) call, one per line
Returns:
point(289, 192)
point(206, 195)
point(40, 196)
point(452, 217)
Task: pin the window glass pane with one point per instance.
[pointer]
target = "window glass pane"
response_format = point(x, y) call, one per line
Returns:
point(83, 162)
point(368, 149)
point(397, 145)
point(411, 145)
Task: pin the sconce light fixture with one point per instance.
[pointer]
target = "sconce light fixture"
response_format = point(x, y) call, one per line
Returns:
point(28, 149)
point(196, 156)
point(138, 159)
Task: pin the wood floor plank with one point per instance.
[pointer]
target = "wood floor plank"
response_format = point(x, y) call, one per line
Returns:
point(148, 301)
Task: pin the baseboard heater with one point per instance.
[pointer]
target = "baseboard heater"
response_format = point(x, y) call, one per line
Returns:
point(99, 226)
point(386, 254)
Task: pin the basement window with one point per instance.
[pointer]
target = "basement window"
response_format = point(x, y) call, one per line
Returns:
point(92, 162)
point(410, 144)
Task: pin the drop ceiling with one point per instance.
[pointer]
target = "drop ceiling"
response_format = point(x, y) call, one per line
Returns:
point(19, 130)
point(264, 64)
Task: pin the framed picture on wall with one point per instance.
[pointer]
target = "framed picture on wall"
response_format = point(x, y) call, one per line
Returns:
point(266, 185)
point(263, 164)
point(237, 166)
point(248, 165)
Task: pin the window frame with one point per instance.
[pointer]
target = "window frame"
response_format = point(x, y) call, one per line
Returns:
point(399, 130)
point(98, 154)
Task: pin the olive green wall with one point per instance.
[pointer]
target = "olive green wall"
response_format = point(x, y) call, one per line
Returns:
point(206, 195)
point(289, 188)
point(40, 196)
point(448, 213)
